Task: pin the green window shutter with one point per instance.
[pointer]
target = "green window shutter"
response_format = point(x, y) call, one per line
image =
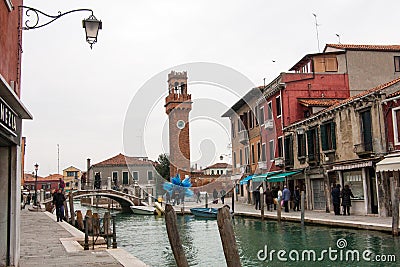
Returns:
point(324, 141)
point(333, 135)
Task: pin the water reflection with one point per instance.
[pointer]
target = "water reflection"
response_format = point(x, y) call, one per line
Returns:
point(146, 238)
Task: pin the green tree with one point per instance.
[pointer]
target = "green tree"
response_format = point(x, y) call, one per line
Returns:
point(163, 166)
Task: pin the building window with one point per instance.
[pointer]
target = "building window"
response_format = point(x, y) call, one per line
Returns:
point(234, 159)
point(396, 125)
point(212, 172)
point(258, 151)
point(261, 115)
point(135, 176)
point(280, 147)
point(264, 152)
point(251, 121)
point(328, 136)
point(313, 145)
point(278, 106)
point(233, 129)
point(244, 120)
point(125, 178)
point(354, 180)
point(72, 173)
point(252, 154)
point(246, 155)
point(366, 129)
point(331, 64)
point(269, 112)
point(115, 177)
point(9, 5)
point(271, 150)
point(149, 175)
point(289, 158)
point(397, 64)
point(241, 157)
point(301, 145)
point(256, 110)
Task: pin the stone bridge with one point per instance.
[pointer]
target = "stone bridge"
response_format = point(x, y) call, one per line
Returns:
point(125, 200)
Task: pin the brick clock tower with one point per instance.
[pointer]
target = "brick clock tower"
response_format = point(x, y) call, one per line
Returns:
point(178, 104)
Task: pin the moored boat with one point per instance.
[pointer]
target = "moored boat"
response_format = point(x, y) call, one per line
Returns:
point(143, 210)
point(204, 212)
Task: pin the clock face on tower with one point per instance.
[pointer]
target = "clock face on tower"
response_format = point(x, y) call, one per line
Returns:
point(180, 124)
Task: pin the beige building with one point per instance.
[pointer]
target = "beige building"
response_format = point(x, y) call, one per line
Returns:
point(341, 145)
point(70, 177)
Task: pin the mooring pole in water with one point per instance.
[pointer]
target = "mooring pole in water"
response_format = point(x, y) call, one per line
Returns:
point(302, 207)
point(206, 200)
point(173, 236)
point(71, 208)
point(395, 211)
point(233, 200)
point(228, 237)
point(114, 243)
point(86, 245)
point(262, 202)
point(279, 210)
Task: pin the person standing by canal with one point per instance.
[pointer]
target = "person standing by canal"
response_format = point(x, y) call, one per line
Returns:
point(61, 184)
point(346, 201)
point(286, 198)
point(58, 200)
point(215, 196)
point(269, 200)
point(296, 198)
point(274, 192)
point(223, 193)
point(336, 199)
point(28, 198)
point(257, 198)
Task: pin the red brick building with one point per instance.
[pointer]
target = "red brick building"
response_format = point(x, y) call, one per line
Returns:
point(12, 112)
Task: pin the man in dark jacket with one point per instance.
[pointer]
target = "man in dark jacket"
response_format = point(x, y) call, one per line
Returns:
point(336, 199)
point(58, 200)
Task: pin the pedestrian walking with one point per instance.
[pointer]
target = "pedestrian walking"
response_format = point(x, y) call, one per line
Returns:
point(167, 197)
point(58, 200)
point(274, 192)
point(215, 196)
point(257, 198)
point(28, 198)
point(198, 200)
point(296, 198)
point(269, 200)
point(346, 201)
point(286, 198)
point(61, 184)
point(336, 199)
point(223, 193)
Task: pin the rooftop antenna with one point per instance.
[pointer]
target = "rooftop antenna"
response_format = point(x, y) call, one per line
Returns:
point(316, 28)
point(338, 36)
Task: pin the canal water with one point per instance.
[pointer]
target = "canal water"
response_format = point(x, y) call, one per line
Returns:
point(146, 238)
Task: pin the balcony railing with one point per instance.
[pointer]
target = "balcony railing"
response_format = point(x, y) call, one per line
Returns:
point(243, 137)
point(364, 149)
point(279, 161)
point(269, 124)
point(262, 165)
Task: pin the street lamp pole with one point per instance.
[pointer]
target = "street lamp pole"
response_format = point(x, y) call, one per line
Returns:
point(36, 170)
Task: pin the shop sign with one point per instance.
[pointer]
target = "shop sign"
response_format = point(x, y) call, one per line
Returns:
point(8, 118)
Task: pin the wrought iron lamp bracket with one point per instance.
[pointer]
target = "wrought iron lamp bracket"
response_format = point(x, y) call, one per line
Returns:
point(29, 25)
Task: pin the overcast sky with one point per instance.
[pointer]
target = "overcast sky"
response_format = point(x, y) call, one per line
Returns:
point(80, 97)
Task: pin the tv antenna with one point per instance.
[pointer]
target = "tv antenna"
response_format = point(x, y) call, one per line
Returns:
point(316, 28)
point(338, 36)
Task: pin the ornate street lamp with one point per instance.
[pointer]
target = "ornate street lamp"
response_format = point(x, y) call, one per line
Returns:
point(91, 24)
point(35, 203)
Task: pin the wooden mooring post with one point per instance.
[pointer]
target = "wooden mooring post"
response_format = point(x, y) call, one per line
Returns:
point(71, 208)
point(395, 211)
point(79, 219)
point(279, 210)
point(262, 198)
point(302, 207)
point(173, 236)
point(228, 237)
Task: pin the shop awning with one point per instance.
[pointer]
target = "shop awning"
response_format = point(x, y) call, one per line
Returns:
point(245, 180)
point(389, 163)
point(280, 177)
point(263, 177)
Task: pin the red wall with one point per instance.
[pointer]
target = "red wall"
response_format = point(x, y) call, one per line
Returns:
point(387, 112)
point(10, 64)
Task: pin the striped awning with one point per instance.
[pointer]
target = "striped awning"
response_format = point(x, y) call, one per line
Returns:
point(389, 163)
point(263, 177)
point(245, 180)
point(350, 166)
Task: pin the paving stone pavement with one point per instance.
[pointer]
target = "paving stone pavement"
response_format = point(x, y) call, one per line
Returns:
point(41, 245)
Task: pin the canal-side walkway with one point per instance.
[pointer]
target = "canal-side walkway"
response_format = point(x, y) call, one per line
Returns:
point(372, 222)
point(46, 242)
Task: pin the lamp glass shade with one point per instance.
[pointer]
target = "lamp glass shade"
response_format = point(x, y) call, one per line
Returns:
point(92, 26)
point(36, 166)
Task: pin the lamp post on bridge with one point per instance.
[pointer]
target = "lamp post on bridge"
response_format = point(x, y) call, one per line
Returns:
point(35, 202)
